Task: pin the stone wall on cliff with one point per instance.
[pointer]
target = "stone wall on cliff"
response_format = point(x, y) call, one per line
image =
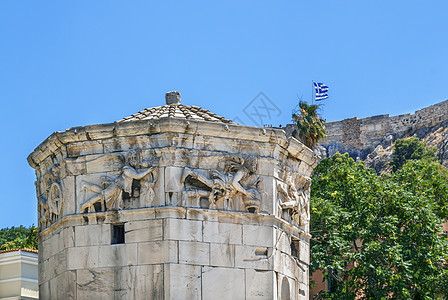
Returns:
point(367, 132)
point(371, 139)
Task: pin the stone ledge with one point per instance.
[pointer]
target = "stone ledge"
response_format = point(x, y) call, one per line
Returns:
point(150, 127)
point(167, 212)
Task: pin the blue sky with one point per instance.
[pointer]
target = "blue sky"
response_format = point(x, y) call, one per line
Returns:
point(72, 63)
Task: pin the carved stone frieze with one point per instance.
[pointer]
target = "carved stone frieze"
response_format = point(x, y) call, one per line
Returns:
point(220, 188)
point(135, 178)
point(50, 203)
point(293, 195)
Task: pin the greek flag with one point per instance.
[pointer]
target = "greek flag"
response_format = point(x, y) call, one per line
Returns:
point(321, 91)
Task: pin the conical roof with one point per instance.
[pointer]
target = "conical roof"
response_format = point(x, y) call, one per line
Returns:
point(174, 109)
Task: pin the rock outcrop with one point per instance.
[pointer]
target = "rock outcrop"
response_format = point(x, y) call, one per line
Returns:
point(371, 139)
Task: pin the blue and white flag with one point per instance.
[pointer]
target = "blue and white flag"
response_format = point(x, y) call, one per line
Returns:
point(321, 91)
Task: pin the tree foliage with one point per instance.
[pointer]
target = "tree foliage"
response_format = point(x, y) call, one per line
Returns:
point(410, 149)
point(311, 127)
point(18, 237)
point(380, 237)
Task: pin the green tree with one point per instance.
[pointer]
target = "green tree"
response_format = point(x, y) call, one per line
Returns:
point(408, 149)
point(18, 237)
point(428, 179)
point(9, 234)
point(374, 236)
point(310, 126)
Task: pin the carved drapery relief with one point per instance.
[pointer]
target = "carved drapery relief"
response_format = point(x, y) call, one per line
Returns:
point(50, 203)
point(220, 189)
point(135, 178)
point(293, 195)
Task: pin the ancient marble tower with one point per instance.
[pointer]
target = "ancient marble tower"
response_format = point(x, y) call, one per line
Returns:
point(173, 202)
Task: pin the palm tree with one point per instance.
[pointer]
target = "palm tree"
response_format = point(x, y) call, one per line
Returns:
point(311, 127)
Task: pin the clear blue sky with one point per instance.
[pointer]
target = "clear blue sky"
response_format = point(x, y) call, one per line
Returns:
point(71, 63)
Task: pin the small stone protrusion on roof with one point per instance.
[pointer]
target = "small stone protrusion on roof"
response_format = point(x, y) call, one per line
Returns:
point(172, 97)
point(174, 109)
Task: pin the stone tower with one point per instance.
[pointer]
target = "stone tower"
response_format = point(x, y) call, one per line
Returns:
point(173, 202)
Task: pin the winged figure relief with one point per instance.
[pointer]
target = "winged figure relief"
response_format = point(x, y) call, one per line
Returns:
point(108, 195)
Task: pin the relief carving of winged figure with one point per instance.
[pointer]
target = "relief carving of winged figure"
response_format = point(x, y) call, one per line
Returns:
point(294, 197)
point(220, 188)
point(110, 193)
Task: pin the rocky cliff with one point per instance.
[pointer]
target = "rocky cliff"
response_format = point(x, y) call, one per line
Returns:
point(371, 139)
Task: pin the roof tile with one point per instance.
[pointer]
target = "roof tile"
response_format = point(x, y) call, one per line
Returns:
point(176, 111)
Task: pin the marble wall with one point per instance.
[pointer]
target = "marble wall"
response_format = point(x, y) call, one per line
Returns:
point(208, 211)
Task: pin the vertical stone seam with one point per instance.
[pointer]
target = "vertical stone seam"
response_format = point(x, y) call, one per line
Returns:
point(242, 234)
point(202, 231)
point(76, 198)
point(163, 279)
point(138, 251)
point(245, 284)
point(163, 229)
point(178, 252)
point(209, 254)
point(234, 255)
point(75, 294)
point(202, 283)
point(163, 191)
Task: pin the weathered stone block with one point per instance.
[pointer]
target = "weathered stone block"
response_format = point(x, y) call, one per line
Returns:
point(117, 255)
point(183, 282)
point(67, 238)
point(44, 290)
point(85, 148)
point(225, 283)
point(75, 166)
point(157, 252)
point(284, 242)
point(261, 236)
point(49, 247)
point(222, 255)
point(172, 179)
point(95, 284)
point(57, 242)
point(265, 166)
point(253, 257)
point(260, 284)
point(170, 212)
point(196, 253)
point(285, 264)
point(139, 282)
point(82, 257)
point(127, 143)
point(100, 132)
point(182, 230)
point(305, 169)
point(63, 287)
point(304, 253)
point(104, 163)
point(222, 233)
point(197, 214)
point(57, 264)
point(92, 235)
point(68, 190)
point(44, 274)
point(268, 204)
point(143, 231)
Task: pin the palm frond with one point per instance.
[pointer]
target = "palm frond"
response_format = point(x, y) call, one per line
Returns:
point(311, 127)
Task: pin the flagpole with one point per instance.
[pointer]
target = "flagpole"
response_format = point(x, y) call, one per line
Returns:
point(312, 94)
